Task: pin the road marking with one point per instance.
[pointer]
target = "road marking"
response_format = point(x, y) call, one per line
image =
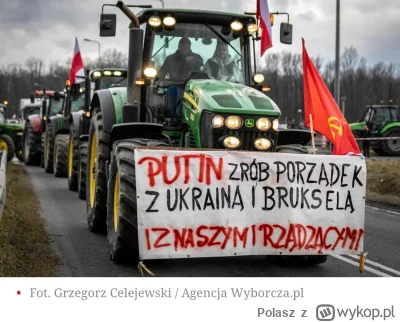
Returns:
point(385, 210)
point(391, 270)
point(367, 268)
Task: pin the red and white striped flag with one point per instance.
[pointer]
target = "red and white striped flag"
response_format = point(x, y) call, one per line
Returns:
point(265, 25)
point(77, 73)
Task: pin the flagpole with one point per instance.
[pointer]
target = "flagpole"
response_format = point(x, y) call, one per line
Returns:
point(312, 134)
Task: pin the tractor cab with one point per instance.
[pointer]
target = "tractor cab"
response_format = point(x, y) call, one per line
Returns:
point(383, 122)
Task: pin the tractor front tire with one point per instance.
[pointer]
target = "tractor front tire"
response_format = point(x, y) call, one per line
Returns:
point(7, 143)
point(48, 149)
point(60, 156)
point(391, 147)
point(307, 260)
point(82, 166)
point(30, 148)
point(96, 182)
point(122, 225)
point(73, 159)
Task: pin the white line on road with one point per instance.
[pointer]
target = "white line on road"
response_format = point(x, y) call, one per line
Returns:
point(388, 269)
point(369, 269)
point(385, 210)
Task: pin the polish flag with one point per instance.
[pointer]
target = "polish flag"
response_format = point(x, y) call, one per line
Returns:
point(77, 73)
point(263, 16)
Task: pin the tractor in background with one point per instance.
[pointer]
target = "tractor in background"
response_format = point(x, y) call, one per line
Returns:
point(382, 121)
point(216, 114)
point(79, 120)
point(10, 136)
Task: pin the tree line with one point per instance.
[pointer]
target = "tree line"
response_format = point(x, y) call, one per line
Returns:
point(361, 84)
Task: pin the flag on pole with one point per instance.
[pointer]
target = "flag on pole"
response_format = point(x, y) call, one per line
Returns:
point(263, 16)
point(77, 73)
point(322, 112)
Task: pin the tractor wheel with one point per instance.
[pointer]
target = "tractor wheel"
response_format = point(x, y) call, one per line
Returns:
point(122, 225)
point(60, 156)
point(7, 144)
point(82, 166)
point(31, 143)
point(43, 140)
point(391, 147)
point(73, 159)
point(48, 149)
point(302, 259)
point(96, 182)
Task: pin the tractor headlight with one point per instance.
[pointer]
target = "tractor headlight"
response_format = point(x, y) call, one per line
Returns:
point(154, 21)
point(233, 122)
point(217, 121)
point(169, 21)
point(231, 142)
point(263, 124)
point(19, 133)
point(252, 28)
point(236, 25)
point(258, 78)
point(150, 72)
point(97, 74)
point(107, 73)
point(275, 124)
point(262, 144)
point(117, 73)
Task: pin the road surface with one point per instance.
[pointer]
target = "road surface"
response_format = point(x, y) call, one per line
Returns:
point(85, 254)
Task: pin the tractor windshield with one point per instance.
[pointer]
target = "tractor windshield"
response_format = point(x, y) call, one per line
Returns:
point(30, 111)
point(197, 48)
point(79, 104)
point(56, 106)
point(111, 81)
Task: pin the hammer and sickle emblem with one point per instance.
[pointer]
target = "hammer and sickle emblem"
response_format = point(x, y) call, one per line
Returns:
point(338, 128)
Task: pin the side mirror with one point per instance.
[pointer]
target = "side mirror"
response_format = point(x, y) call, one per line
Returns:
point(32, 97)
point(57, 96)
point(108, 25)
point(286, 33)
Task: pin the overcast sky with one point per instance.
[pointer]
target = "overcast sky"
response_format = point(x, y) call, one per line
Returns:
point(47, 29)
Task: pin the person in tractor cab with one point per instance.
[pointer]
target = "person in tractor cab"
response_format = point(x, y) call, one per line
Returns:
point(178, 67)
point(221, 65)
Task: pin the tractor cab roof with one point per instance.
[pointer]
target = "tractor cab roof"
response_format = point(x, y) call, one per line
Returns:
point(381, 106)
point(194, 16)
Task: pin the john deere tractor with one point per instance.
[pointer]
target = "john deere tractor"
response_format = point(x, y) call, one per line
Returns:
point(10, 136)
point(383, 121)
point(78, 114)
point(216, 113)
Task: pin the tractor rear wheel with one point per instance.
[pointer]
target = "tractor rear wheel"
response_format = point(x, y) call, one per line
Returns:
point(48, 149)
point(302, 259)
point(7, 144)
point(73, 159)
point(96, 182)
point(43, 140)
point(60, 155)
point(391, 147)
point(82, 166)
point(122, 225)
point(31, 143)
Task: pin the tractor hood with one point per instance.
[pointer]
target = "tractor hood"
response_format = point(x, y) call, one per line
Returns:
point(357, 126)
point(226, 97)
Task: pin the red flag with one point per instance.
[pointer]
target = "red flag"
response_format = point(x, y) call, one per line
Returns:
point(326, 115)
point(265, 25)
point(77, 73)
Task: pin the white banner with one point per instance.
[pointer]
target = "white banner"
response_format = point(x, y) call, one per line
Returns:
point(225, 203)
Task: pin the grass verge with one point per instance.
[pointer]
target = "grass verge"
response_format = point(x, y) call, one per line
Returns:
point(24, 245)
point(383, 181)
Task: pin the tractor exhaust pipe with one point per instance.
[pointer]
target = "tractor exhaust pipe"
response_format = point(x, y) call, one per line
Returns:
point(135, 56)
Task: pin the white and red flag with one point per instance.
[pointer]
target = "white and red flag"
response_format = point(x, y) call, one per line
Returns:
point(77, 73)
point(263, 16)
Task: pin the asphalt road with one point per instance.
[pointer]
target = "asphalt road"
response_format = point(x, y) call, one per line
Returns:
point(85, 254)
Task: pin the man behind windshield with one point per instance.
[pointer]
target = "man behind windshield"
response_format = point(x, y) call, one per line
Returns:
point(221, 65)
point(178, 67)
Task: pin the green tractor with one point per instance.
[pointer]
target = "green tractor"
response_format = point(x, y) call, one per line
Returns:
point(77, 120)
point(10, 136)
point(217, 113)
point(383, 121)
